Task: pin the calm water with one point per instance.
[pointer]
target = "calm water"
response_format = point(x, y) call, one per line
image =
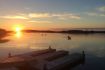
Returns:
point(92, 44)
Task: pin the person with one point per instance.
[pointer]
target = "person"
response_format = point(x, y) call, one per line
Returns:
point(50, 48)
point(69, 38)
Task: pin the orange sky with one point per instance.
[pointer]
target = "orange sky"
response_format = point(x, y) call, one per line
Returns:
point(45, 15)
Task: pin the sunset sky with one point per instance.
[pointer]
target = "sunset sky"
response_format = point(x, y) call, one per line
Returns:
point(51, 14)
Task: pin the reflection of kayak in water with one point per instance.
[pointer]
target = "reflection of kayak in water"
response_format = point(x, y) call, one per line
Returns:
point(69, 38)
point(3, 41)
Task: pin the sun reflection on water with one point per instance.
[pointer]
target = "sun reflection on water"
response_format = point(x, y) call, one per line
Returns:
point(18, 34)
point(18, 31)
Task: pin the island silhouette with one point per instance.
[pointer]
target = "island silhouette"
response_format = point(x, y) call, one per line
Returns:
point(3, 34)
point(65, 31)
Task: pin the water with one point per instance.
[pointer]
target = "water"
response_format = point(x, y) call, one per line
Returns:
point(92, 44)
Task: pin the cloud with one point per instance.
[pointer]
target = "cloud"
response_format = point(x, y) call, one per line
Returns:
point(39, 21)
point(39, 15)
point(14, 17)
point(54, 15)
point(102, 9)
point(66, 16)
point(60, 16)
point(96, 14)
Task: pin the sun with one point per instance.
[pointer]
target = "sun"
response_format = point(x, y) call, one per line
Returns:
point(18, 29)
